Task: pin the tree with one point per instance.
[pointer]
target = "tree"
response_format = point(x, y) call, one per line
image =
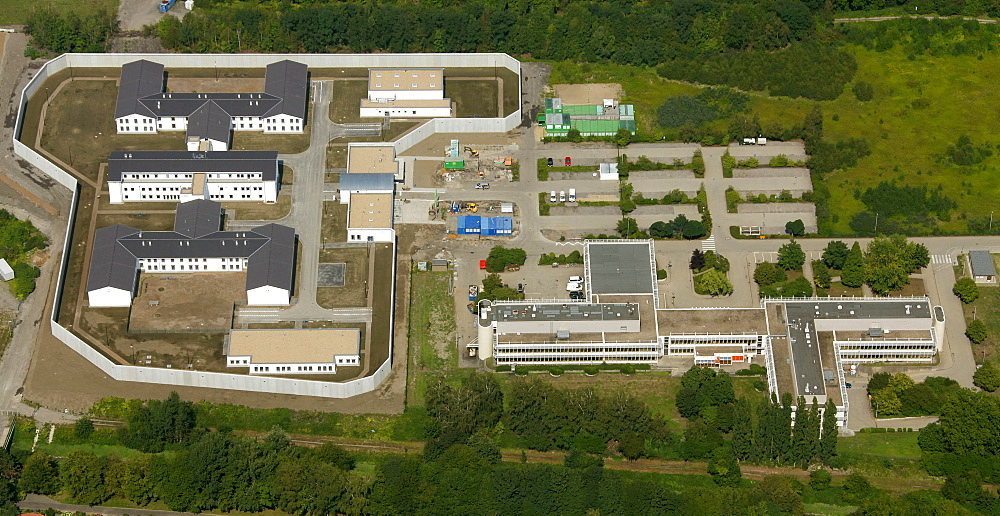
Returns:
point(631, 446)
point(715, 283)
point(791, 257)
point(819, 479)
point(697, 260)
point(493, 289)
point(627, 227)
point(694, 229)
point(723, 468)
point(966, 290)
point(623, 137)
point(574, 135)
point(83, 477)
point(835, 254)
point(987, 377)
point(795, 227)
point(863, 91)
point(661, 229)
point(83, 428)
point(767, 273)
point(40, 475)
point(821, 274)
point(853, 272)
point(889, 260)
point(812, 127)
point(335, 455)
point(500, 257)
point(857, 488)
point(976, 331)
point(828, 439)
point(579, 459)
point(885, 402)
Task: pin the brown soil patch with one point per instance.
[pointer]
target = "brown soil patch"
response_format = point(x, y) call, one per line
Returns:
point(210, 85)
point(592, 93)
point(39, 257)
point(187, 302)
point(355, 289)
point(437, 145)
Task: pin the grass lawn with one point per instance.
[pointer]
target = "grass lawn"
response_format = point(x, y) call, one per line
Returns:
point(830, 510)
point(897, 445)
point(473, 98)
point(354, 292)
point(431, 333)
point(16, 11)
point(260, 210)
point(334, 225)
point(283, 143)
point(345, 106)
point(286, 175)
point(336, 156)
point(62, 449)
point(837, 289)
point(987, 308)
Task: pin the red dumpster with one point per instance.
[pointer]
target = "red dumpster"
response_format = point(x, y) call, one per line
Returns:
point(482, 264)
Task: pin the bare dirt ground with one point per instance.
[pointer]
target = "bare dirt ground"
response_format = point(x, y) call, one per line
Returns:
point(187, 301)
point(210, 85)
point(135, 14)
point(437, 145)
point(593, 93)
point(3, 41)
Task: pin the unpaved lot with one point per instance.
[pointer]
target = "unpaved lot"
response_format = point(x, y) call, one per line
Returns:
point(210, 85)
point(192, 301)
point(592, 93)
point(437, 145)
point(135, 14)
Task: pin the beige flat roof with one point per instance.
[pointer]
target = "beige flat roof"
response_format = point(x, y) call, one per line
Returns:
point(387, 79)
point(403, 104)
point(294, 346)
point(372, 159)
point(370, 211)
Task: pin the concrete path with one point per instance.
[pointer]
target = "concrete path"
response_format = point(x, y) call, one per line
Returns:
point(34, 502)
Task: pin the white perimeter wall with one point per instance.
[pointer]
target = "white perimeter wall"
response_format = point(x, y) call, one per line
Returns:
point(247, 382)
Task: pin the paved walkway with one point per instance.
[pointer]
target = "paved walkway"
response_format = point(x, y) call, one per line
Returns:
point(34, 502)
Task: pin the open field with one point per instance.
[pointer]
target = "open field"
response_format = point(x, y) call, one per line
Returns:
point(17, 11)
point(260, 210)
point(382, 302)
point(473, 98)
point(187, 302)
point(345, 106)
point(431, 333)
point(144, 221)
point(287, 175)
point(336, 156)
point(334, 225)
point(355, 289)
point(986, 308)
point(893, 445)
point(283, 143)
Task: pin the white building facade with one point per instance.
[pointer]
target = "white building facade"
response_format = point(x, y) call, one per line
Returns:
point(157, 176)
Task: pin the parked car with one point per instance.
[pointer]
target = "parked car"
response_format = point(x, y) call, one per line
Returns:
point(574, 287)
point(482, 186)
point(576, 279)
point(552, 196)
point(562, 196)
point(576, 294)
point(568, 161)
point(549, 162)
point(572, 195)
point(520, 288)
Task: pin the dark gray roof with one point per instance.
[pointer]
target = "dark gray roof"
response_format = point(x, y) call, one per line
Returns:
point(198, 218)
point(274, 264)
point(620, 268)
point(286, 85)
point(288, 81)
point(139, 79)
point(111, 265)
point(121, 162)
point(364, 181)
point(269, 249)
point(982, 263)
point(210, 121)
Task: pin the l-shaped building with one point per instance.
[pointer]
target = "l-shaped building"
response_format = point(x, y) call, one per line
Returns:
point(120, 253)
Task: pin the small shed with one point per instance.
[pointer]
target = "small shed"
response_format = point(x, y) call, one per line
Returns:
point(609, 172)
point(6, 272)
point(506, 207)
point(439, 265)
point(469, 225)
point(981, 263)
point(497, 226)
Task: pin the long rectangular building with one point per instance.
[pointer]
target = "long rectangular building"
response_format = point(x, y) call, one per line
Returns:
point(137, 176)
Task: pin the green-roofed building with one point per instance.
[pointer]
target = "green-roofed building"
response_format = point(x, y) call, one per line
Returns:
point(590, 119)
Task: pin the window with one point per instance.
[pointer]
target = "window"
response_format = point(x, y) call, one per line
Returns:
point(413, 85)
point(433, 85)
point(378, 84)
point(396, 75)
point(433, 75)
point(414, 76)
point(396, 85)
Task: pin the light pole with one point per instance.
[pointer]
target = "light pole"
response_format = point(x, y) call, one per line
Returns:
point(876, 223)
point(991, 221)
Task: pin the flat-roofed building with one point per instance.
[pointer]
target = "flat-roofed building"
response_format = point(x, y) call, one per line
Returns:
point(379, 158)
point(182, 176)
point(620, 267)
point(402, 93)
point(303, 351)
point(713, 336)
point(369, 218)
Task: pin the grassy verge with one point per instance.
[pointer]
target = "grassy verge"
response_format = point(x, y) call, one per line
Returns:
point(17, 11)
point(987, 309)
point(336, 156)
point(893, 445)
point(476, 98)
point(431, 334)
point(334, 225)
point(259, 210)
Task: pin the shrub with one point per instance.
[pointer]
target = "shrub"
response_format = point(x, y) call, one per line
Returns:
point(966, 290)
point(863, 91)
point(555, 370)
point(976, 331)
point(987, 377)
point(661, 274)
point(503, 368)
point(627, 369)
point(591, 370)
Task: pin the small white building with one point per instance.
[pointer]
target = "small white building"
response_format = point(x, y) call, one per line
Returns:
point(157, 176)
point(120, 253)
point(6, 272)
point(369, 218)
point(398, 93)
point(609, 171)
point(374, 158)
point(304, 351)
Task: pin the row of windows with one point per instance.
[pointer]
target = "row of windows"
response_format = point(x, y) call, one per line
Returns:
point(284, 128)
point(884, 356)
point(415, 75)
point(507, 348)
point(596, 359)
point(237, 267)
point(155, 197)
point(886, 345)
point(211, 175)
point(396, 84)
point(236, 362)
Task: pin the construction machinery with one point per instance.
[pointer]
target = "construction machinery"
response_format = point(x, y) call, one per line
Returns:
point(165, 5)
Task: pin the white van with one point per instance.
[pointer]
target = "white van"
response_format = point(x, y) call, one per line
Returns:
point(562, 196)
point(576, 279)
point(552, 196)
point(572, 195)
point(574, 287)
